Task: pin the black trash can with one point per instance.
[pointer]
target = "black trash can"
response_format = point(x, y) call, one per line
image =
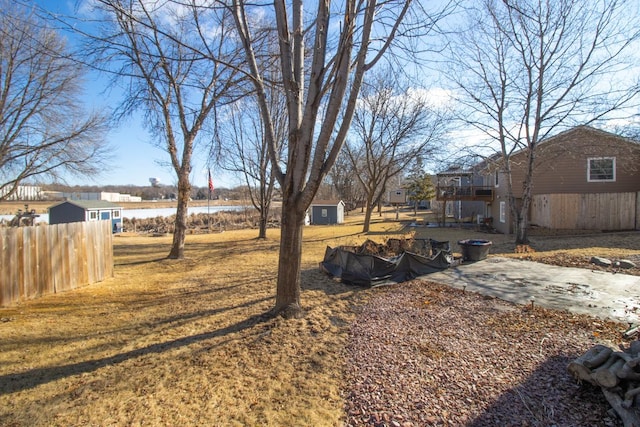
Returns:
point(474, 249)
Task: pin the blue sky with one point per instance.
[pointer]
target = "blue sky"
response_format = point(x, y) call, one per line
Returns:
point(135, 158)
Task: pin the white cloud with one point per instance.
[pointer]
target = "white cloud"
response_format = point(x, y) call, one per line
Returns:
point(435, 97)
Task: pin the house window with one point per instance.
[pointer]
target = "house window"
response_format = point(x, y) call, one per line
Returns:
point(503, 212)
point(601, 169)
point(496, 178)
point(93, 215)
point(324, 213)
point(116, 214)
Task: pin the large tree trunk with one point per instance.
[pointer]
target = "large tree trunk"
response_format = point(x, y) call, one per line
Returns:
point(522, 223)
point(262, 227)
point(180, 231)
point(264, 219)
point(289, 262)
point(444, 213)
point(266, 191)
point(367, 216)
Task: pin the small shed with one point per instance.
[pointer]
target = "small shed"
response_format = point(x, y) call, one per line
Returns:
point(86, 210)
point(327, 212)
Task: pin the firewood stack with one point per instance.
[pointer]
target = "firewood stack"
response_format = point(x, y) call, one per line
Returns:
point(617, 373)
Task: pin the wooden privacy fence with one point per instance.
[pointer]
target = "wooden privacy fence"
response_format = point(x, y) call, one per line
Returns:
point(41, 260)
point(595, 211)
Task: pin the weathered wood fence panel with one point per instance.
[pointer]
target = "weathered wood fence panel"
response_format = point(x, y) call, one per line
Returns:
point(595, 211)
point(42, 260)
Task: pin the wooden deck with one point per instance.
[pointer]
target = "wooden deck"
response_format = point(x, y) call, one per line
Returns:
point(471, 192)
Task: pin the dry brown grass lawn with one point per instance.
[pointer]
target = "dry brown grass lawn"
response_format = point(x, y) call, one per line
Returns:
point(187, 342)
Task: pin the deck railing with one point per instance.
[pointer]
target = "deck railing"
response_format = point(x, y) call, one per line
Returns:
point(465, 192)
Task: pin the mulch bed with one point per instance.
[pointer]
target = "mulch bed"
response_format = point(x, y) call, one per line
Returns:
point(424, 354)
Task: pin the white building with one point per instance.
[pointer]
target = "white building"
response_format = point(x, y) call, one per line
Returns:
point(24, 192)
point(102, 195)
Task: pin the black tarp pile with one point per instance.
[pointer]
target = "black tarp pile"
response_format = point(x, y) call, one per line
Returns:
point(364, 265)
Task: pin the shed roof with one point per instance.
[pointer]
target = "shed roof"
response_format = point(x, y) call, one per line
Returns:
point(326, 202)
point(90, 204)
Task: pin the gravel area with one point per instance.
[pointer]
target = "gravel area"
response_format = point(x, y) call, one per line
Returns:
point(424, 354)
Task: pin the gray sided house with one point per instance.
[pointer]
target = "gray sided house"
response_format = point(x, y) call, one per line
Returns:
point(584, 178)
point(86, 210)
point(327, 212)
point(464, 193)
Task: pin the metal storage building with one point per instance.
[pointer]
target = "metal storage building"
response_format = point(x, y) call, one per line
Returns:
point(327, 212)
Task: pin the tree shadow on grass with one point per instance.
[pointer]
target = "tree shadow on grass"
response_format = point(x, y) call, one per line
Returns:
point(12, 383)
point(333, 238)
point(158, 253)
point(384, 233)
point(186, 317)
point(316, 280)
point(142, 262)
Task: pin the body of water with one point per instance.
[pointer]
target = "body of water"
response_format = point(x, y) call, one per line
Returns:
point(154, 212)
point(150, 213)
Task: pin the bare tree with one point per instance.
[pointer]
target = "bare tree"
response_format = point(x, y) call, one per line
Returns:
point(175, 57)
point(346, 40)
point(45, 130)
point(391, 127)
point(528, 69)
point(345, 182)
point(244, 151)
point(243, 145)
point(419, 184)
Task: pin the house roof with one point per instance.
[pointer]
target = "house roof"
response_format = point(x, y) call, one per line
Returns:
point(90, 204)
point(458, 172)
point(591, 129)
point(563, 137)
point(496, 158)
point(580, 128)
point(326, 202)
